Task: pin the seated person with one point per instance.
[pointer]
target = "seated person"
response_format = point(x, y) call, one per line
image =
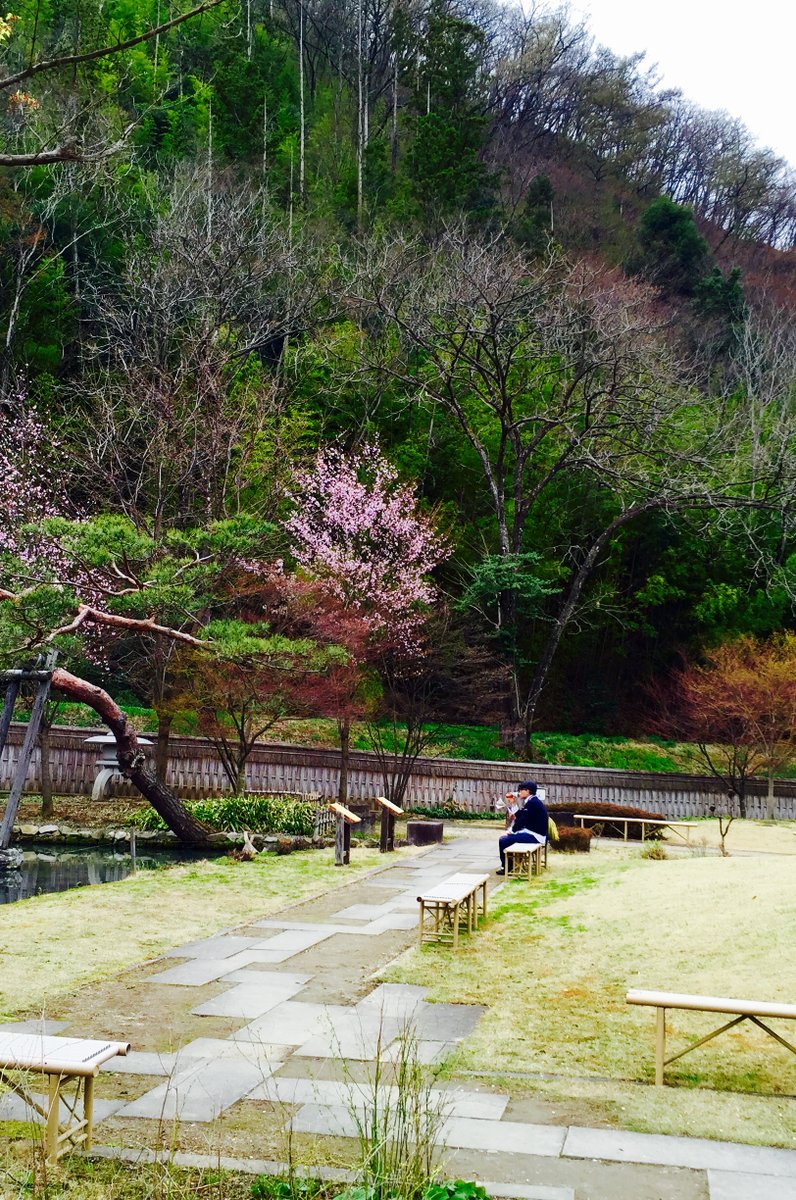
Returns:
point(530, 823)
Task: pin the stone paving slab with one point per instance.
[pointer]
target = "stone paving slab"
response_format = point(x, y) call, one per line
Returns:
point(355, 1034)
point(40, 1025)
point(220, 946)
point(457, 1102)
point(446, 1022)
point(363, 912)
point(14, 1108)
point(504, 1137)
point(699, 1153)
point(222, 1050)
point(200, 1093)
point(195, 972)
point(292, 1023)
point(731, 1185)
point(399, 1000)
point(296, 939)
point(140, 1062)
point(248, 1000)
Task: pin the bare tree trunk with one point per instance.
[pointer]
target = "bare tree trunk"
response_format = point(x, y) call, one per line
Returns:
point(566, 614)
point(360, 122)
point(344, 731)
point(132, 763)
point(45, 773)
point(302, 122)
point(162, 748)
point(771, 800)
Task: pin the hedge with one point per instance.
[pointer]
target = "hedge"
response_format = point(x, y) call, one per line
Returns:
point(565, 813)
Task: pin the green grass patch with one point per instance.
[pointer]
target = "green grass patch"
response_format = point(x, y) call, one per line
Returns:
point(52, 944)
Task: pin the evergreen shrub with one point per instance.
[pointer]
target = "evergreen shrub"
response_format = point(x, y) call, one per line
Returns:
point(258, 814)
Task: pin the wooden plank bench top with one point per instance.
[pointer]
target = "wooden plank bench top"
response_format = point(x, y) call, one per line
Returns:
point(605, 819)
point(56, 1055)
point(446, 903)
point(720, 1004)
point(64, 1060)
point(457, 887)
point(739, 1010)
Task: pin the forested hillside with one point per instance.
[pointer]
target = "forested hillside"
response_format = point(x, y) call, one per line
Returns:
point(450, 272)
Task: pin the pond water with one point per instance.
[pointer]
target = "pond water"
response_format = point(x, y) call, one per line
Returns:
point(56, 869)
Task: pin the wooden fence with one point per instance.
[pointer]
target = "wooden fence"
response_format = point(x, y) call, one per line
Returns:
point(194, 771)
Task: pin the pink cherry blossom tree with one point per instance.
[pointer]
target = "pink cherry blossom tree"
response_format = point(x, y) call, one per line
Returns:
point(360, 530)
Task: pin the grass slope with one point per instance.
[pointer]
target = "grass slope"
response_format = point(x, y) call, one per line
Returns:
point(556, 958)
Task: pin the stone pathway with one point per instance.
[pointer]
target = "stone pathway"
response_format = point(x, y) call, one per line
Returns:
point(293, 1017)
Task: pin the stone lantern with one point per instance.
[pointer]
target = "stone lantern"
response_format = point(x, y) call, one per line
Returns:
point(107, 762)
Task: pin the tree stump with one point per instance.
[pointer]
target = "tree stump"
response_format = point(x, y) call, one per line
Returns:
point(423, 833)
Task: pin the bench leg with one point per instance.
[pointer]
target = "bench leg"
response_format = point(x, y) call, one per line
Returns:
point(456, 927)
point(660, 1045)
point(422, 922)
point(53, 1114)
point(88, 1109)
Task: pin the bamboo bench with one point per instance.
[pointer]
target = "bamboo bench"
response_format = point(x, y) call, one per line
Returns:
point(64, 1061)
point(445, 906)
point(740, 1010)
point(644, 822)
point(536, 856)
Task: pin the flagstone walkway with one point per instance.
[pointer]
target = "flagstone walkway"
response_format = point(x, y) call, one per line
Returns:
point(298, 1019)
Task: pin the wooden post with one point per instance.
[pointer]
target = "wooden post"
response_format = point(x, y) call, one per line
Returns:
point(132, 848)
point(12, 691)
point(342, 838)
point(31, 734)
point(389, 812)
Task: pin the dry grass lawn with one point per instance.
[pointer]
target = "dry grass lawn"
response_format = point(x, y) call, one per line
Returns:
point(558, 955)
point(52, 944)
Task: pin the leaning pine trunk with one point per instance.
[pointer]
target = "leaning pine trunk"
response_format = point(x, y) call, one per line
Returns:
point(132, 763)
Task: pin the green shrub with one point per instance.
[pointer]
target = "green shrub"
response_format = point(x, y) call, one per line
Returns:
point(258, 814)
point(653, 850)
point(456, 1189)
point(449, 810)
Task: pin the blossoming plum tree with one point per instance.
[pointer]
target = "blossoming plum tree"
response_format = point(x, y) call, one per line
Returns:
point(360, 530)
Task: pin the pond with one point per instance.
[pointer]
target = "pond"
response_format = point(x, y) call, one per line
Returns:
point(57, 869)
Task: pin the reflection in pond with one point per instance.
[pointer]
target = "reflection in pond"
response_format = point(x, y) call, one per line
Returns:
point(57, 870)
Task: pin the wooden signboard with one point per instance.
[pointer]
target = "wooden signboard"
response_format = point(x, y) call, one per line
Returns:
point(342, 839)
point(389, 811)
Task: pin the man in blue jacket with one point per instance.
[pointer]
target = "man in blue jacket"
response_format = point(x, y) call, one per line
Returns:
point(530, 823)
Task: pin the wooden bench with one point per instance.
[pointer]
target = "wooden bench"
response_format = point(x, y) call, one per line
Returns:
point(741, 1010)
point(644, 822)
point(450, 903)
point(524, 856)
point(65, 1061)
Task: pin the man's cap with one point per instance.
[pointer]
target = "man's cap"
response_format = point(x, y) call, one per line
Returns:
point(529, 784)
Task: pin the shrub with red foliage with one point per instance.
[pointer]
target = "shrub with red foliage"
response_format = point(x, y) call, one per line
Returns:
point(573, 840)
point(565, 813)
